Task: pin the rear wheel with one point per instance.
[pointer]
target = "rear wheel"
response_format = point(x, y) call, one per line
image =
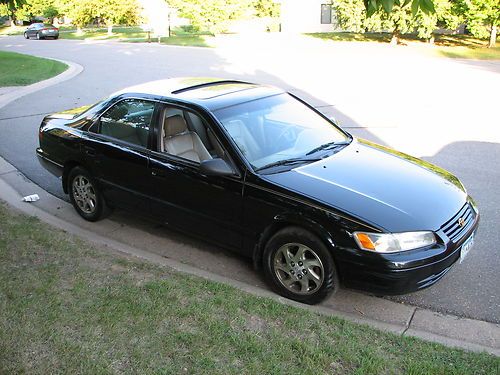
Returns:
point(299, 266)
point(85, 196)
point(38, 36)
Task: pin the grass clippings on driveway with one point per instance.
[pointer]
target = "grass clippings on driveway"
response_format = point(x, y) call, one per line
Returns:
point(68, 307)
point(17, 69)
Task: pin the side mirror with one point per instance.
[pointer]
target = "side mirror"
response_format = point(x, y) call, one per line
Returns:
point(215, 167)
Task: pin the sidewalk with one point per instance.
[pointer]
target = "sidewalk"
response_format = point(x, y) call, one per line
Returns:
point(155, 244)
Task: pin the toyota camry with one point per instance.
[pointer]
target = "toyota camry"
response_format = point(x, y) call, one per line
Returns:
point(257, 170)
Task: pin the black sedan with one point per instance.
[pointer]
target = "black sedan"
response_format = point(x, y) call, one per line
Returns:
point(257, 170)
point(41, 31)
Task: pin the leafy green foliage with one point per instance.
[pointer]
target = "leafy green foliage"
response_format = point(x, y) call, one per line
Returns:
point(373, 6)
point(212, 15)
point(351, 15)
point(117, 11)
point(482, 16)
point(266, 8)
point(81, 12)
point(397, 16)
point(34, 8)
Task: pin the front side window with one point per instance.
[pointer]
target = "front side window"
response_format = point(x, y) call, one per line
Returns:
point(128, 121)
point(278, 128)
point(187, 136)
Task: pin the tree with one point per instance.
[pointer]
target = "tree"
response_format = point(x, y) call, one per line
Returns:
point(482, 17)
point(266, 8)
point(351, 15)
point(372, 6)
point(115, 12)
point(80, 13)
point(212, 15)
point(12, 6)
point(397, 11)
point(33, 8)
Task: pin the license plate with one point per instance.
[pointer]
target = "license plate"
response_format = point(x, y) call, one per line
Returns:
point(467, 245)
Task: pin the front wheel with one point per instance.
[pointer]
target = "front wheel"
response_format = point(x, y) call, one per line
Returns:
point(85, 196)
point(26, 35)
point(299, 266)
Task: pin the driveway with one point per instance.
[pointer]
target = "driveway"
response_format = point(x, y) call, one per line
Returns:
point(439, 109)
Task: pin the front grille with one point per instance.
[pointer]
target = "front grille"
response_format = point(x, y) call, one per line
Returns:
point(452, 227)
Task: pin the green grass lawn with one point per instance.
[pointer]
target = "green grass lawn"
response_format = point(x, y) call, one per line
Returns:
point(137, 34)
point(126, 34)
point(470, 53)
point(456, 46)
point(18, 70)
point(68, 307)
point(16, 30)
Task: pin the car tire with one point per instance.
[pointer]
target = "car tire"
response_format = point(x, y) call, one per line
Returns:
point(56, 37)
point(299, 266)
point(38, 37)
point(26, 36)
point(85, 195)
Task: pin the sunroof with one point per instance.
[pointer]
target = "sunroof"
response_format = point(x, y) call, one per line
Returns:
point(212, 89)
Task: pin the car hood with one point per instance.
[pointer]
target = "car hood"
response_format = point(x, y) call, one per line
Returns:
point(383, 187)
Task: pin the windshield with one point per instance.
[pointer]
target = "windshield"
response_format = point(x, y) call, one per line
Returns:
point(278, 128)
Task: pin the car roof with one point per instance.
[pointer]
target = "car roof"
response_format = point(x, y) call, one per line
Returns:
point(209, 92)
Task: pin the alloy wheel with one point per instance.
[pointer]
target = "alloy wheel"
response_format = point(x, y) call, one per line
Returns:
point(298, 268)
point(84, 194)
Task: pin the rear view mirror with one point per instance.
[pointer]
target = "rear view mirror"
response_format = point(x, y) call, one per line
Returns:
point(216, 167)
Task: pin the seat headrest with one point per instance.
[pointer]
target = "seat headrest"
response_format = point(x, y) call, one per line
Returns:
point(174, 125)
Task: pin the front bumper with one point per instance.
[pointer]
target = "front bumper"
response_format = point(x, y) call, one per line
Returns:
point(401, 273)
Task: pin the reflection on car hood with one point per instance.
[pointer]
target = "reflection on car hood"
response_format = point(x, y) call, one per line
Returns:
point(383, 187)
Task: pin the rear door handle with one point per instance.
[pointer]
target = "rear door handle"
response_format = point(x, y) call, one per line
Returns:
point(157, 173)
point(89, 151)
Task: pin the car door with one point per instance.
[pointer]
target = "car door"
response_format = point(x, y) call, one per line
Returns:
point(30, 30)
point(36, 28)
point(116, 149)
point(206, 206)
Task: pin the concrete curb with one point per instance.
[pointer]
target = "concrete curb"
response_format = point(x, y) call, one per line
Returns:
point(73, 70)
point(452, 331)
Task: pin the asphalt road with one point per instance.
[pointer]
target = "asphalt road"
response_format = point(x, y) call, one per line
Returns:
point(442, 110)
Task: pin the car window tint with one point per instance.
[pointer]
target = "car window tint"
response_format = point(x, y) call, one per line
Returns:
point(185, 135)
point(277, 128)
point(129, 121)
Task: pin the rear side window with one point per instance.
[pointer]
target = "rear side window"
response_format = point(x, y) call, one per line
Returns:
point(128, 121)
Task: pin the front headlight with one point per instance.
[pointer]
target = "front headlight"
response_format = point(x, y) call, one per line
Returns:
point(393, 242)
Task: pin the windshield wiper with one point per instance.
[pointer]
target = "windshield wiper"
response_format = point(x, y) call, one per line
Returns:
point(288, 162)
point(327, 146)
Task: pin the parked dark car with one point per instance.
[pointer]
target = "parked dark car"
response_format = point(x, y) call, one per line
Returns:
point(257, 170)
point(41, 31)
